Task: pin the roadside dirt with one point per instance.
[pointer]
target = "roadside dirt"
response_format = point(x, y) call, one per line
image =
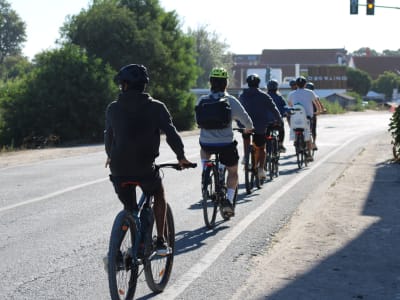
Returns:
point(342, 244)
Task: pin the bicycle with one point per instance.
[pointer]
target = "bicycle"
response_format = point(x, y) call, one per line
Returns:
point(272, 151)
point(250, 168)
point(299, 125)
point(214, 189)
point(132, 248)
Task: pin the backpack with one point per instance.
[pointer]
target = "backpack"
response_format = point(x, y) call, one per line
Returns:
point(213, 113)
point(299, 118)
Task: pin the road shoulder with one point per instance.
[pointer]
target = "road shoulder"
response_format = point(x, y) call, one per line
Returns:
point(329, 248)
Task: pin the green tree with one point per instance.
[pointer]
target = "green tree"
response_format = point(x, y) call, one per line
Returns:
point(139, 31)
point(391, 52)
point(65, 95)
point(14, 66)
point(365, 51)
point(385, 83)
point(211, 52)
point(359, 81)
point(12, 31)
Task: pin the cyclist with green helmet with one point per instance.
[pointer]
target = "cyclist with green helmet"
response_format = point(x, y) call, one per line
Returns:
point(221, 140)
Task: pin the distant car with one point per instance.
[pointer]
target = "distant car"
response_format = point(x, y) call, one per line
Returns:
point(364, 103)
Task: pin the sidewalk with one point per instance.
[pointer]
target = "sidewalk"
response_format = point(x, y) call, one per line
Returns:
point(347, 246)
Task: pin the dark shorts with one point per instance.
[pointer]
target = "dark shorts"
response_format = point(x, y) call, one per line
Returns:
point(258, 139)
point(228, 155)
point(125, 187)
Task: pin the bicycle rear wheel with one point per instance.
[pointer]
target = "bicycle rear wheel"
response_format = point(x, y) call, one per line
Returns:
point(299, 150)
point(248, 170)
point(122, 271)
point(157, 269)
point(209, 201)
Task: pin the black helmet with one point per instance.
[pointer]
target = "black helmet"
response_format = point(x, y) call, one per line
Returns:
point(272, 84)
point(292, 82)
point(133, 74)
point(310, 86)
point(253, 80)
point(301, 81)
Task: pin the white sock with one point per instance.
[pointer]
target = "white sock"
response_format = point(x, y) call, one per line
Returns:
point(230, 194)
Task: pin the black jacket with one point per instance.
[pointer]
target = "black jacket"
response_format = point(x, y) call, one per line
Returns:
point(132, 134)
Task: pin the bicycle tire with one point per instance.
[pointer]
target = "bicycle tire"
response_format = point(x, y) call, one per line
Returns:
point(157, 269)
point(299, 151)
point(275, 158)
point(248, 172)
point(209, 201)
point(122, 272)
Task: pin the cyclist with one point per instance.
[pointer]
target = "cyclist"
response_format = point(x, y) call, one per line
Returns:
point(263, 111)
point(307, 99)
point(318, 108)
point(132, 141)
point(281, 104)
point(221, 140)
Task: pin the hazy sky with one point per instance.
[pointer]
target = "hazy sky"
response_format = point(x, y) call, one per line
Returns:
point(247, 26)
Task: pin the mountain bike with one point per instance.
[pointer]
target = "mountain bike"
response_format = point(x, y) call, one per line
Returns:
point(213, 187)
point(132, 248)
point(272, 151)
point(250, 168)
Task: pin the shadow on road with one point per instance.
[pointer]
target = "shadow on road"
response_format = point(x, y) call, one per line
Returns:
point(369, 266)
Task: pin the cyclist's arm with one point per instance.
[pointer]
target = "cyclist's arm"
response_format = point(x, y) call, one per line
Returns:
point(240, 114)
point(173, 138)
point(108, 132)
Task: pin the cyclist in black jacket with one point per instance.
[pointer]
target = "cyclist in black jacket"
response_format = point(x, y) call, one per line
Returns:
point(281, 104)
point(132, 141)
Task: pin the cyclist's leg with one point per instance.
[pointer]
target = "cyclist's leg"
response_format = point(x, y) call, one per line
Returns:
point(281, 130)
point(314, 131)
point(153, 186)
point(229, 157)
point(259, 144)
point(308, 139)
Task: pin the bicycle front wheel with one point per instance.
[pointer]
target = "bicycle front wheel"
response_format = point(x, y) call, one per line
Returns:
point(122, 271)
point(157, 269)
point(209, 201)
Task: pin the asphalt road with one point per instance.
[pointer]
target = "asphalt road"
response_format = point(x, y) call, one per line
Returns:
point(56, 216)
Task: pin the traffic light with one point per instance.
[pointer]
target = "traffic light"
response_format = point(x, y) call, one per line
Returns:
point(354, 7)
point(370, 7)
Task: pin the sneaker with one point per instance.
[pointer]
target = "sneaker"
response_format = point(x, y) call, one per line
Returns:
point(309, 158)
point(261, 173)
point(282, 149)
point(228, 208)
point(162, 248)
point(315, 148)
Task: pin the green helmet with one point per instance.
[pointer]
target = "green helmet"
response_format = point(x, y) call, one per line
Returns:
point(219, 73)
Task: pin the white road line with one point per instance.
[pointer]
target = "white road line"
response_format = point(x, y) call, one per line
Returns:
point(57, 193)
point(207, 260)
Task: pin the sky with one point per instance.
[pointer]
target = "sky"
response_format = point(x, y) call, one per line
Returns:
point(247, 27)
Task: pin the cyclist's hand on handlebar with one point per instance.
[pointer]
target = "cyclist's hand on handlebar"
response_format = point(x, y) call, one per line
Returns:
point(184, 163)
point(107, 164)
point(248, 131)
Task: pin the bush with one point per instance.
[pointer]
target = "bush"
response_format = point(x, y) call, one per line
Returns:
point(333, 108)
point(394, 129)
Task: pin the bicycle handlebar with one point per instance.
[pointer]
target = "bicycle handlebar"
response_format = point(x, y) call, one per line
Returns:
point(175, 166)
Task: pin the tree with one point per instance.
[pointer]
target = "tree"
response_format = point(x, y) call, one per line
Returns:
point(359, 81)
point(14, 66)
point(139, 31)
point(365, 51)
point(65, 95)
point(12, 31)
point(211, 52)
point(391, 52)
point(385, 83)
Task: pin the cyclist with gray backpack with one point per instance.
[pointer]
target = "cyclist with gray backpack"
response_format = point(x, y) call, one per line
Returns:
point(214, 115)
